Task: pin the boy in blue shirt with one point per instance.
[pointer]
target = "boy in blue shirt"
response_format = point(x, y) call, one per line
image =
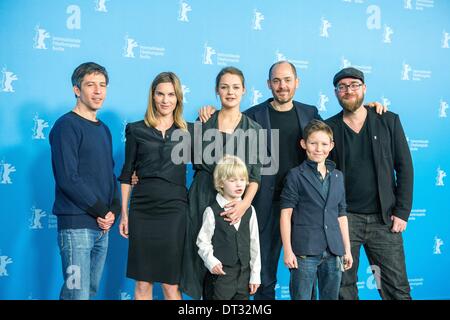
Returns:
point(313, 222)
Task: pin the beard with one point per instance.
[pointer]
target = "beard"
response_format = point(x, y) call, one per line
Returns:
point(282, 100)
point(351, 106)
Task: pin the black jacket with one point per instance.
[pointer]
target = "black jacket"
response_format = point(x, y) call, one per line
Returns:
point(392, 159)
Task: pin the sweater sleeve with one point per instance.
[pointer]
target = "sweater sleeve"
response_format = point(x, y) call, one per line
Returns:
point(115, 203)
point(65, 141)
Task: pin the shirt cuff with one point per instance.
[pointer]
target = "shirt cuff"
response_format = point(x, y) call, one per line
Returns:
point(211, 263)
point(255, 278)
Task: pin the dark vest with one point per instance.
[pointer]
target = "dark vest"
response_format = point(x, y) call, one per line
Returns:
point(230, 245)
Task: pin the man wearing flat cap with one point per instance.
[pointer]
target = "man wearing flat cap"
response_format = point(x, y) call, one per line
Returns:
point(372, 152)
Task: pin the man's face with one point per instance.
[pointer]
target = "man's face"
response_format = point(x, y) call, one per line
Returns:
point(283, 83)
point(350, 93)
point(92, 92)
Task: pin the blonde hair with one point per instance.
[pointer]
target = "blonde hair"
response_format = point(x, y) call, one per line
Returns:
point(229, 167)
point(150, 115)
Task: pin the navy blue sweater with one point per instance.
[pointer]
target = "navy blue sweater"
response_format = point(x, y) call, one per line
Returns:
point(83, 167)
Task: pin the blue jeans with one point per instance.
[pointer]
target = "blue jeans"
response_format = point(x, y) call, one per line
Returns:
point(83, 255)
point(326, 268)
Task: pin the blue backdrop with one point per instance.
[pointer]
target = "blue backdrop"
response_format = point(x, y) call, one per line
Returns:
point(402, 46)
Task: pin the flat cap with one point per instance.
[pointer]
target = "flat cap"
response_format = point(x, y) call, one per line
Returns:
point(348, 73)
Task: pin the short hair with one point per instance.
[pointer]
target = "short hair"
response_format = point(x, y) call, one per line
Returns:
point(230, 70)
point(84, 69)
point(87, 68)
point(294, 70)
point(229, 167)
point(317, 125)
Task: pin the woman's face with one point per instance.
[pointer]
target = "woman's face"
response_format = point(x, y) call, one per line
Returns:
point(230, 90)
point(165, 99)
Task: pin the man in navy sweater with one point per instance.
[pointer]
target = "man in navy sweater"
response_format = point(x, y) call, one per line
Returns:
point(86, 193)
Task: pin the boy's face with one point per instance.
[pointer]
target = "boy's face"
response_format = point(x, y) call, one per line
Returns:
point(234, 187)
point(317, 146)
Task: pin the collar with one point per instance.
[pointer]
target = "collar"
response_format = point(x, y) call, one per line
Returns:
point(330, 165)
point(222, 201)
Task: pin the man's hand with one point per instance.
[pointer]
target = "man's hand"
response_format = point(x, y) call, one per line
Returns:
point(218, 270)
point(106, 223)
point(398, 224)
point(236, 211)
point(205, 113)
point(379, 108)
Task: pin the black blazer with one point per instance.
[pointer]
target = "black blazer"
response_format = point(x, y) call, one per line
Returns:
point(260, 113)
point(392, 158)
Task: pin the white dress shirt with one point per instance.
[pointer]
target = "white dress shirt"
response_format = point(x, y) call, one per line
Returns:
point(206, 250)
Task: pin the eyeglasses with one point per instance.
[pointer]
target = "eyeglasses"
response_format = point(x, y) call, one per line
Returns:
point(353, 87)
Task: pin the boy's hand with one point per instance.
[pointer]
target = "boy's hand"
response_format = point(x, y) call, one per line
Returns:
point(217, 269)
point(290, 260)
point(348, 261)
point(253, 288)
point(205, 113)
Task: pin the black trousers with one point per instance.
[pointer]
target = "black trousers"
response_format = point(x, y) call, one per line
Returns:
point(234, 285)
point(384, 250)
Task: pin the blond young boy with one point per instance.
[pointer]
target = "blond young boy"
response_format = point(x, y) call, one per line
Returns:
point(231, 253)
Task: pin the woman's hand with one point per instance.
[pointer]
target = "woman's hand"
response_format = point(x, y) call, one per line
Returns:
point(123, 225)
point(236, 211)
